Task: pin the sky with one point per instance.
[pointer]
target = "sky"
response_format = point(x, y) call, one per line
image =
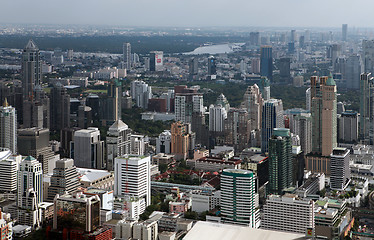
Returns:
point(191, 13)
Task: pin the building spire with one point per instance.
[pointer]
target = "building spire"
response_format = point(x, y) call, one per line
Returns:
point(5, 104)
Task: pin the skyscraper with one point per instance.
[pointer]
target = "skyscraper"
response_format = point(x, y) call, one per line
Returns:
point(31, 69)
point(272, 117)
point(368, 55)
point(141, 93)
point(217, 116)
point(237, 129)
point(193, 68)
point(353, 70)
point(348, 127)
point(60, 108)
point(8, 127)
point(238, 197)
point(127, 55)
point(284, 68)
point(212, 68)
point(366, 107)
point(266, 62)
point(180, 139)
point(280, 161)
point(340, 171)
point(344, 32)
point(185, 104)
point(252, 102)
point(324, 116)
point(254, 38)
point(156, 61)
point(118, 142)
point(112, 103)
point(133, 178)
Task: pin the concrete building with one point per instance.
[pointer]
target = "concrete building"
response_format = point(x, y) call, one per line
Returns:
point(212, 66)
point(272, 117)
point(185, 104)
point(9, 165)
point(288, 213)
point(64, 179)
point(60, 108)
point(181, 140)
point(344, 32)
point(156, 61)
point(237, 129)
point(141, 93)
point(132, 178)
point(252, 102)
point(368, 55)
point(280, 161)
point(8, 127)
point(87, 149)
point(348, 127)
point(31, 69)
point(127, 55)
point(205, 201)
point(163, 142)
point(353, 70)
point(118, 142)
point(284, 66)
point(238, 197)
point(366, 107)
point(340, 171)
point(217, 116)
point(212, 164)
point(137, 144)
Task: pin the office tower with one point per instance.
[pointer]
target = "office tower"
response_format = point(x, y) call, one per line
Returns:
point(112, 103)
point(252, 102)
point(280, 161)
point(180, 140)
point(254, 38)
point(348, 127)
point(255, 65)
point(243, 67)
point(117, 142)
point(163, 142)
point(185, 104)
point(87, 150)
point(60, 108)
point(127, 55)
point(212, 68)
point(29, 191)
point(366, 107)
point(293, 36)
point(308, 99)
point(288, 213)
point(193, 68)
point(353, 70)
point(31, 69)
point(141, 93)
point(217, 116)
point(85, 116)
point(94, 102)
point(333, 52)
point(169, 96)
point(302, 126)
point(266, 62)
point(344, 32)
point(78, 208)
point(35, 142)
point(238, 197)
point(272, 117)
point(265, 88)
point(284, 69)
point(368, 55)
point(340, 108)
point(65, 179)
point(340, 171)
point(237, 129)
point(133, 178)
point(222, 100)
point(137, 144)
point(9, 164)
point(302, 41)
point(8, 127)
point(156, 61)
point(291, 47)
point(324, 116)
point(36, 109)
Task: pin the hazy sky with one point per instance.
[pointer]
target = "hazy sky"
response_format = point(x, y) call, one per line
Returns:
point(278, 13)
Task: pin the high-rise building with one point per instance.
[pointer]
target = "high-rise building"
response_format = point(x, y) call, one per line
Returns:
point(64, 179)
point(133, 178)
point(163, 142)
point(127, 55)
point(252, 102)
point(212, 68)
point(29, 192)
point(9, 164)
point(272, 117)
point(353, 70)
point(308, 99)
point(156, 61)
point(333, 52)
point(284, 69)
point(31, 69)
point(193, 68)
point(344, 32)
point(180, 140)
point(265, 88)
point(366, 107)
point(254, 38)
point(88, 149)
point(217, 116)
point(185, 104)
point(8, 127)
point(288, 213)
point(266, 62)
point(302, 126)
point(368, 55)
point(340, 171)
point(237, 129)
point(141, 93)
point(238, 197)
point(60, 108)
point(222, 100)
point(117, 142)
point(324, 115)
point(35, 142)
point(112, 109)
point(280, 161)
point(348, 127)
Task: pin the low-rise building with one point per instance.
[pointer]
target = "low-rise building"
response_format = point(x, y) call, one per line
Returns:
point(216, 164)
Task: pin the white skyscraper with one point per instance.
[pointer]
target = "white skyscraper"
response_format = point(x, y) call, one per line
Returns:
point(117, 142)
point(217, 116)
point(340, 171)
point(8, 127)
point(186, 104)
point(9, 165)
point(132, 178)
point(127, 55)
point(141, 93)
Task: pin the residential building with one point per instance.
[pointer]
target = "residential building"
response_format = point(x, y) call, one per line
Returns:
point(348, 127)
point(163, 142)
point(340, 171)
point(366, 107)
point(8, 127)
point(181, 140)
point(9, 165)
point(118, 142)
point(217, 116)
point(141, 93)
point(272, 117)
point(127, 55)
point(237, 129)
